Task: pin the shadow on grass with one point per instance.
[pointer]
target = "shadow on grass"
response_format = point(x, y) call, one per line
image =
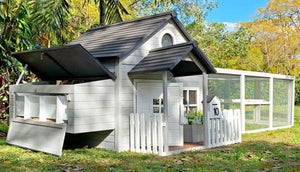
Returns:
point(247, 156)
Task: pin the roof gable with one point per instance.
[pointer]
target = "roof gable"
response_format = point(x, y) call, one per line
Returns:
point(122, 38)
point(171, 58)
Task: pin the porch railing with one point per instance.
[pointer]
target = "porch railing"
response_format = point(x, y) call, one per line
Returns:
point(226, 129)
point(146, 133)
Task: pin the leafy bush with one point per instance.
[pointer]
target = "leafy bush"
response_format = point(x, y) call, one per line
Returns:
point(195, 117)
point(4, 127)
point(297, 91)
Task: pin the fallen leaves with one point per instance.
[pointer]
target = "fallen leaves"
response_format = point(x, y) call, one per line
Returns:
point(7, 162)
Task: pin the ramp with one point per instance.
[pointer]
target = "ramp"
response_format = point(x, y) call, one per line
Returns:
point(38, 136)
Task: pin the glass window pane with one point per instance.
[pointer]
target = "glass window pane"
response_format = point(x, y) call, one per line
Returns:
point(155, 101)
point(155, 109)
point(161, 101)
point(167, 40)
point(184, 97)
point(192, 97)
point(162, 109)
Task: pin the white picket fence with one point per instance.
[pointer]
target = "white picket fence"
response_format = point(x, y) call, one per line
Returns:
point(146, 133)
point(225, 129)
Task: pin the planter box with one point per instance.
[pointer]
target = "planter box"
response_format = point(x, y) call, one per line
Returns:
point(193, 132)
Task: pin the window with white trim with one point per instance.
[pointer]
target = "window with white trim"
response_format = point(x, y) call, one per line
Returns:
point(166, 40)
point(158, 105)
point(190, 99)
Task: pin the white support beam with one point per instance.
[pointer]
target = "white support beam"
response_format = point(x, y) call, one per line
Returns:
point(205, 111)
point(255, 74)
point(291, 102)
point(166, 111)
point(271, 83)
point(202, 68)
point(242, 97)
point(22, 73)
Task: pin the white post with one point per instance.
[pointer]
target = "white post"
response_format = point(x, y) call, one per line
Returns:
point(43, 112)
point(166, 111)
point(271, 103)
point(61, 106)
point(27, 107)
point(291, 102)
point(205, 111)
point(242, 97)
point(160, 134)
point(22, 73)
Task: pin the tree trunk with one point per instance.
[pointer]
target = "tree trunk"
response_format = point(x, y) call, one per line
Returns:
point(102, 8)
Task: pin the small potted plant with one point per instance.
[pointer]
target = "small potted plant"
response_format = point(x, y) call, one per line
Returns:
point(194, 131)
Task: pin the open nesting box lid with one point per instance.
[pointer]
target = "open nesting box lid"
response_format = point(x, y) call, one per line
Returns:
point(71, 62)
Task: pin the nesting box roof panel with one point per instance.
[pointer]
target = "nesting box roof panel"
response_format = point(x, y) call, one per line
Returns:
point(119, 39)
point(64, 63)
point(171, 58)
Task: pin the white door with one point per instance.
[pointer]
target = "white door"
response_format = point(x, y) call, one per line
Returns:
point(150, 101)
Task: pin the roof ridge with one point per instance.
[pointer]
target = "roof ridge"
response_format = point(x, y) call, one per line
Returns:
point(172, 13)
point(194, 43)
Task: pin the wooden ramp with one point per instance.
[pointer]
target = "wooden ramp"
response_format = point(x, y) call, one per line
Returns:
point(38, 136)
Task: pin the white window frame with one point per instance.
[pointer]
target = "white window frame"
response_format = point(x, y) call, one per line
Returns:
point(188, 105)
point(166, 32)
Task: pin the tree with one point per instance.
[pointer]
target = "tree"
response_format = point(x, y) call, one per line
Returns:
point(14, 34)
point(278, 38)
point(225, 49)
point(110, 11)
point(188, 11)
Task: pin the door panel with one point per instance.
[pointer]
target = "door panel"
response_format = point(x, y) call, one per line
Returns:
point(146, 92)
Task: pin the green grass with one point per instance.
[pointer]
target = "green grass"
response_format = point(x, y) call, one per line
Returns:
point(265, 151)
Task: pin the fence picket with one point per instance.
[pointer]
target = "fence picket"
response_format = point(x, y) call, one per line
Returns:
point(154, 134)
point(217, 131)
point(239, 129)
point(148, 133)
point(137, 133)
point(132, 132)
point(143, 133)
point(225, 126)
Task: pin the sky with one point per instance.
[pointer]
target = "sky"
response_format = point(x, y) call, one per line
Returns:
point(234, 11)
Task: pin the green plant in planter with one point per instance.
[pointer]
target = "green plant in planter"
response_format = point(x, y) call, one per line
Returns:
point(195, 117)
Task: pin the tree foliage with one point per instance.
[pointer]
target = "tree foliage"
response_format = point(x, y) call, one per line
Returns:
point(278, 38)
point(224, 48)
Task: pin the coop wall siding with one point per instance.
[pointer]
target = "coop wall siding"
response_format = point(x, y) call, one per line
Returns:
point(126, 88)
point(93, 106)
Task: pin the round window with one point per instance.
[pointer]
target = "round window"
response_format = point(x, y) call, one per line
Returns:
point(167, 40)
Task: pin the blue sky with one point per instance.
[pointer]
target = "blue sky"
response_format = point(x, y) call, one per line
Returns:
point(233, 11)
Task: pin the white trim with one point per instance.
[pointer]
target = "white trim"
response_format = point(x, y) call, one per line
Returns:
point(271, 81)
point(293, 102)
point(184, 150)
point(266, 129)
point(166, 31)
point(242, 100)
point(251, 73)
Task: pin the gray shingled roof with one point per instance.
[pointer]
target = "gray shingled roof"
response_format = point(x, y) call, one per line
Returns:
point(171, 58)
point(119, 39)
point(70, 62)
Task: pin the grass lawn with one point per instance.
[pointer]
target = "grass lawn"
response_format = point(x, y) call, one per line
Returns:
point(265, 151)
